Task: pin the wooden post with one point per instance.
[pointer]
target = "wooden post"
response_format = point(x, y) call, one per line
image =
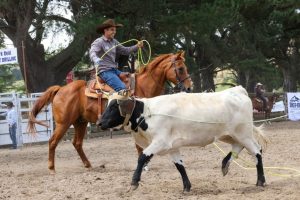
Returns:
point(24, 68)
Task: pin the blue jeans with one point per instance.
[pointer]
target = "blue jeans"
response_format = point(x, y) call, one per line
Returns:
point(12, 134)
point(111, 78)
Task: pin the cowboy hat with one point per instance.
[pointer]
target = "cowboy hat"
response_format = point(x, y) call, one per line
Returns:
point(10, 104)
point(107, 24)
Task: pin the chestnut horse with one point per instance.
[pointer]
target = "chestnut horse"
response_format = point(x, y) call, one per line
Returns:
point(71, 106)
point(258, 104)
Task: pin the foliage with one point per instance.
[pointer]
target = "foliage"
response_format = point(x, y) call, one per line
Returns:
point(257, 39)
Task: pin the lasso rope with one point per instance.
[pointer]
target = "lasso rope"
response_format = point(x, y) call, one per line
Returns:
point(268, 169)
point(140, 55)
point(249, 165)
point(270, 119)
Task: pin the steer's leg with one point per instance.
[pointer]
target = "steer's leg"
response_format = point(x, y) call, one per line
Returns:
point(153, 148)
point(255, 150)
point(143, 158)
point(176, 157)
point(236, 149)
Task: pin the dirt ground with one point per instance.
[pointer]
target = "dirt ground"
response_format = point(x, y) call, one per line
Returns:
point(24, 173)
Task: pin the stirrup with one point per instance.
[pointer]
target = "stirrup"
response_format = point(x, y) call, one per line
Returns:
point(124, 92)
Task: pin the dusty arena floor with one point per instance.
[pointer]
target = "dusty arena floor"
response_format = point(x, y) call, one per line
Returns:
point(24, 173)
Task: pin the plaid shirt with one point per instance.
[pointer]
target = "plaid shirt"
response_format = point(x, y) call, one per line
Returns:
point(102, 45)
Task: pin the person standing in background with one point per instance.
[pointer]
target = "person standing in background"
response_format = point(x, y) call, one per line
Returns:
point(12, 118)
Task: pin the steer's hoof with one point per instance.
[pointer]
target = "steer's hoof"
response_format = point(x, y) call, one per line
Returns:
point(146, 168)
point(134, 186)
point(260, 183)
point(225, 169)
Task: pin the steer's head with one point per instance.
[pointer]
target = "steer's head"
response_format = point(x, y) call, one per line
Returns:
point(111, 116)
point(116, 111)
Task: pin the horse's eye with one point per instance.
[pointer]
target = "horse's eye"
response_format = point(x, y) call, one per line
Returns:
point(181, 70)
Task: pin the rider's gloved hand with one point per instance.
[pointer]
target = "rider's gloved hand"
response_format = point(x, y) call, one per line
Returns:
point(140, 44)
point(98, 62)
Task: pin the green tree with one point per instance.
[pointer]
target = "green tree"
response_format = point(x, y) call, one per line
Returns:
point(26, 23)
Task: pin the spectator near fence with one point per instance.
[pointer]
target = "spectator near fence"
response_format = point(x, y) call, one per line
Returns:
point(12, 118)
point(260, 94)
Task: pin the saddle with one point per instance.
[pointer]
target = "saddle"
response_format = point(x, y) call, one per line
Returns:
point(95, 88)
point(98, 89)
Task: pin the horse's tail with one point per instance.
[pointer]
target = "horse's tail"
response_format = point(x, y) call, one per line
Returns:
point(261, 138)
point(42, 101)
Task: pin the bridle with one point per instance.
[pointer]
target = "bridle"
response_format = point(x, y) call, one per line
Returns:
point(179, 87)
point(174, 88)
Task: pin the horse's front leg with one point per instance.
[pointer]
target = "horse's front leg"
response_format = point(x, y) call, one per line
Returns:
point(80, 131)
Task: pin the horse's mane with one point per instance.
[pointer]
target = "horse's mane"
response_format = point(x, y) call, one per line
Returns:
point(154, 63)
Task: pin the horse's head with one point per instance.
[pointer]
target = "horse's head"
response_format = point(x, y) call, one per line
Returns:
point(178, 74)
point(273, 98)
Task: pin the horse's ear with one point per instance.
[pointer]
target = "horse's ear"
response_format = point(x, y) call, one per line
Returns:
point(180, 55)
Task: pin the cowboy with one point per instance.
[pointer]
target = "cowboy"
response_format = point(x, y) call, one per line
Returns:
point(259, 93)
point(107, 66)
point(12, 118)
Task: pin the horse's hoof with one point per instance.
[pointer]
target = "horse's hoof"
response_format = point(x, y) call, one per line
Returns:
point(52, 172)
point(88, 165)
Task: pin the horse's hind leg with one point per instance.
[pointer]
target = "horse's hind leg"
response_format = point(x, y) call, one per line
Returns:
point(59, 132)
point(80, 131)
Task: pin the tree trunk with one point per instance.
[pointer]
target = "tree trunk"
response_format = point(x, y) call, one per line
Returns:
point(16, 19)
point(41, 73)
point(207, 79)
point(289, 81)
point(197, 82)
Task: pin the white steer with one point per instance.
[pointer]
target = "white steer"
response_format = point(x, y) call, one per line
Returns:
point(163, 124)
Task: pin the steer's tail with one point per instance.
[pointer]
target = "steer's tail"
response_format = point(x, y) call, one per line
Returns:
point(260, 137)
point(42, 101)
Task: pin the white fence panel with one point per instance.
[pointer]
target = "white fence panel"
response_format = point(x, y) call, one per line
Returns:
point(4, 133)
point(23, 105)
point(43, 133)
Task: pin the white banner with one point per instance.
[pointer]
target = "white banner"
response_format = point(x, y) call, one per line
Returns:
point(8, 56)
point(278, 107)
point(293, 100)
